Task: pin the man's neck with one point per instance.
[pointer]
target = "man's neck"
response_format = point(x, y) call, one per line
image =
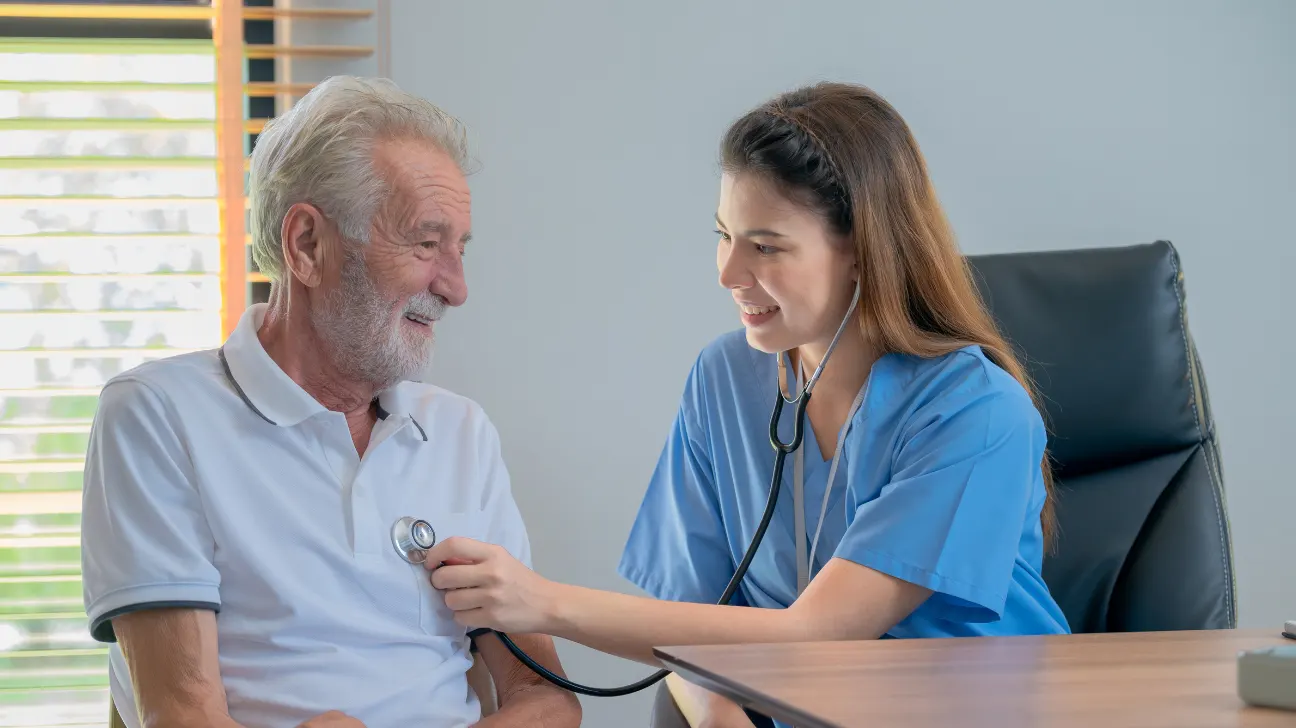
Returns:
point(291, 341)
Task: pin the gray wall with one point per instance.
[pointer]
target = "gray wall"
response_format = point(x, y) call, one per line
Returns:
point(592, 279)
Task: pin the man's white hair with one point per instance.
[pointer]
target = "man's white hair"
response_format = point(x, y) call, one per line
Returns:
point(321, 152)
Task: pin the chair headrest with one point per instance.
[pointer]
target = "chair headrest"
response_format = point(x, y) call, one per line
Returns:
point(1103, 333)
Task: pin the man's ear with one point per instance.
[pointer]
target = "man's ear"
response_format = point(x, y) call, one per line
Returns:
point(305, 234)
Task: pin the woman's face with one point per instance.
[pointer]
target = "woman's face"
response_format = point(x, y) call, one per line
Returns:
point(791, 276)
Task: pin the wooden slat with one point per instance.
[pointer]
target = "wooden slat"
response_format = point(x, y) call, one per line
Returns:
point(100, 277)
point(13, 504)
point(80, 352)
point(108, 46)
point(104, 86)
point(48, 318)
point(41, 542)
point(228, 36)
point(306, 14)
point(74, 426)
point(101, 238)
point(257, 278)
point(104, 162)
point(37, 392)
point(254, 126)
point(83, 124)
point(104, 11)
point(274, 89)
point(139, 203)
point(274, 51)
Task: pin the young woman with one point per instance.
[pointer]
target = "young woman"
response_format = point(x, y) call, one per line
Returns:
point(919, 504)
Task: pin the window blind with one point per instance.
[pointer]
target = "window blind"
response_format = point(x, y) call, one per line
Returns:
point(110, 256)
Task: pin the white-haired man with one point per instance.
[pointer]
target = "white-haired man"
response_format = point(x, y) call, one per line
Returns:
point(237, 519)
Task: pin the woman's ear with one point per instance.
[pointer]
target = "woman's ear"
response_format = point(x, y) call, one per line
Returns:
point(305, 249)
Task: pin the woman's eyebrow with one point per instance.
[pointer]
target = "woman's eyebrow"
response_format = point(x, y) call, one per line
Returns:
point(757, 233)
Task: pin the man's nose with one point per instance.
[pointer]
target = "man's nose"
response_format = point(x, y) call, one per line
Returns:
point(450, 283)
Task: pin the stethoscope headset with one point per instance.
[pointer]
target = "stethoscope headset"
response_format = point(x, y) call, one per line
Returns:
point(412, 537)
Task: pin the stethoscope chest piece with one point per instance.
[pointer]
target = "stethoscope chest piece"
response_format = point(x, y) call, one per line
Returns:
point(412, 538)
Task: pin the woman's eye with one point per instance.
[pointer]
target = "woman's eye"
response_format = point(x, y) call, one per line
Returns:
point(765, 249)
point(723, 235)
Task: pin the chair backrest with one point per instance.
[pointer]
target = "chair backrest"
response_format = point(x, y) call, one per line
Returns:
point(1143, 539)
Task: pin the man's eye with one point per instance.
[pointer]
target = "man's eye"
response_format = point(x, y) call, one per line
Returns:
point(428, 244)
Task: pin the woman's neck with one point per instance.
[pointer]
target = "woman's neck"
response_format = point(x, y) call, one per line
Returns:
point(848, 366)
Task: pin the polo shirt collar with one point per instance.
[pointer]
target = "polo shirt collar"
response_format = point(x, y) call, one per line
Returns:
point(265, 388)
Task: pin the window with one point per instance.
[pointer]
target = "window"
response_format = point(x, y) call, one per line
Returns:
point(109, 256)
point(124, 128)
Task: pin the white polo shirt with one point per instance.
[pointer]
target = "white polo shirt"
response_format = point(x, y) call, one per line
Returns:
point(213, 481)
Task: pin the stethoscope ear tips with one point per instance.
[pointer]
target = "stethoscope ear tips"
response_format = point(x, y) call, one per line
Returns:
point(412, 538)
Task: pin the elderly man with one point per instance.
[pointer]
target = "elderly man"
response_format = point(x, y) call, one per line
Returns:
point(239, 503)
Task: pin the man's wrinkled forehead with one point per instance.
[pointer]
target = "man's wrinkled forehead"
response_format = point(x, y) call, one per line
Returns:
point(429, 196)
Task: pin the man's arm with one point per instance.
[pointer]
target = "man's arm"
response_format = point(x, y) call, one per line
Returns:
point(172, 659)
point(525, 698)
point(171, 655)
point(702, 708)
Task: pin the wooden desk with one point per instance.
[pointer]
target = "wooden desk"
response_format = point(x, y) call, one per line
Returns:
point(1171, 679)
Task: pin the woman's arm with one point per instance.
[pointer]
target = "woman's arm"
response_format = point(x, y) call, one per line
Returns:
point(844, 601)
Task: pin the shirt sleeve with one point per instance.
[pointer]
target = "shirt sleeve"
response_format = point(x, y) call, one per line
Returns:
point(504, 524)
point(951, 517)
point(678, 549)
point(145, 542)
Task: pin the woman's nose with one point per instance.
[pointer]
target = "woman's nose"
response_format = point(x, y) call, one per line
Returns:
point(733, 270)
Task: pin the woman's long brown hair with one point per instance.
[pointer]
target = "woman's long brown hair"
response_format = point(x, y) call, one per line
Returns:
point(844, 151)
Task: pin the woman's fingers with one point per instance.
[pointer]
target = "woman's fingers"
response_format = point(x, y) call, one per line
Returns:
point(458, 576)
point(457, 549)
point(461, 600)
point(472, 618)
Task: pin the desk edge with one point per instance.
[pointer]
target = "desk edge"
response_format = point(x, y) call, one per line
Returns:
point(775, 709)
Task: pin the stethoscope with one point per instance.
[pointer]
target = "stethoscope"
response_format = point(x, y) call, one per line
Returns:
point(412, 538)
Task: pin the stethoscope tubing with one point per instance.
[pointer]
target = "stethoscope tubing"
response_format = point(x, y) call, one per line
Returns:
point(781, 451)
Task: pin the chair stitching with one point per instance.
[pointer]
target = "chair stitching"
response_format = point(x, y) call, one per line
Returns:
point(1188, 358)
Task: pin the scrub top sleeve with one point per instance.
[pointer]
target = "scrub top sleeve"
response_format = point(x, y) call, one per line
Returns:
point(678, 549)
point(503, 520)
point(951, 517)
point(145, 542)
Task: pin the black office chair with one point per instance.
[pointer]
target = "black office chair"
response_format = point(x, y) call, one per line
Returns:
point(1143, 539)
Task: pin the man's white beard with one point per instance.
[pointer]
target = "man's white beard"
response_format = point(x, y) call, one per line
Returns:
point(366, 339)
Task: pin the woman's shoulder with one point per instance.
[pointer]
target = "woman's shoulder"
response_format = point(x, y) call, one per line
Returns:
point(728, 360)
point(966, 381)
point(727, 371)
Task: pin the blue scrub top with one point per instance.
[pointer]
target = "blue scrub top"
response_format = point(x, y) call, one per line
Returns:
point(939, 484)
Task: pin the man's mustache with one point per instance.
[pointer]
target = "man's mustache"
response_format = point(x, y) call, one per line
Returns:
point(426, 305)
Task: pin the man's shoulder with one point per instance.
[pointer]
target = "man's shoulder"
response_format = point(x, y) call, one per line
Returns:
point(170, 379)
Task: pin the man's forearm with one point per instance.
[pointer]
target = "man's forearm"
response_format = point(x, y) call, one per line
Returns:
point(172, 658)
point(196, 720)
point(525, 699)
point(544, 706)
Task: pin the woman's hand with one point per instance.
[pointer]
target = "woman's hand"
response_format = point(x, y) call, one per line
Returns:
point(486, 587)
